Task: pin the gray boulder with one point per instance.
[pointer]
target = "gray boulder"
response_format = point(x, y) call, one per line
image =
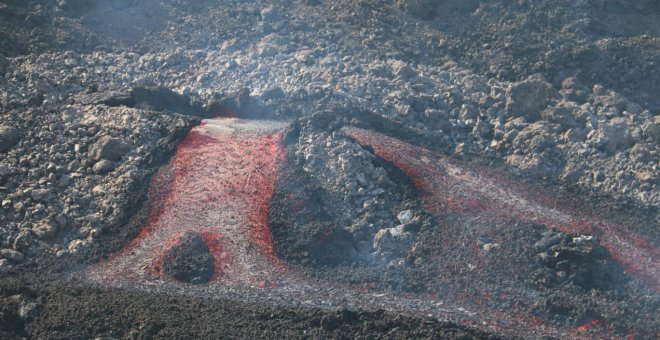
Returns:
point(44, 230)
point(8, 137)
point(534, 138)
point(613, 136)
point(42, 195)
point(109, 148)
point(103, 166)
point(528, 97)
point(535, 151)
point(561, 114)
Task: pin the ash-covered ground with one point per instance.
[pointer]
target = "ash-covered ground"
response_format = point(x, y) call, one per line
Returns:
point(496, 156)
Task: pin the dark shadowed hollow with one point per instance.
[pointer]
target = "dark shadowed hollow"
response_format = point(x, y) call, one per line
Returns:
point(189, 260)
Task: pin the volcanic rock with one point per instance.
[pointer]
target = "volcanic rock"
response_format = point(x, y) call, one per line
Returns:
point(189, 260)
point(8, 137)
point(646, 177)
point(103, 166)
point(6, 170)
point(12, 255)
point(112, 149)
point(535, 138)
point(613, 136)
point(4, 64)
point(44, 230)
point(578, 260)
point(75, 246)
point(560, 114)
point(41, 195)
point(404, 216)
point(528, 97)
point(545, 164)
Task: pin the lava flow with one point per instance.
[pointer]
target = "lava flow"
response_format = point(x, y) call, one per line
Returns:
point(208, 225)
point(217, 188)
point(451, 187)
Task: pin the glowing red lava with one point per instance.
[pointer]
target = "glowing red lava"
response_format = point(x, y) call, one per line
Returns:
point(218, 185)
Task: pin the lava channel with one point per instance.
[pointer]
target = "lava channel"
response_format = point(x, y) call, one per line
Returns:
point(216, 189)
point(464, 191)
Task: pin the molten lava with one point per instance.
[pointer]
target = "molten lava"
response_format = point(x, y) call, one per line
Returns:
point(218, 185)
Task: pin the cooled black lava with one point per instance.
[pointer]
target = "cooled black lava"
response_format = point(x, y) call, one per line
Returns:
point(189, 260)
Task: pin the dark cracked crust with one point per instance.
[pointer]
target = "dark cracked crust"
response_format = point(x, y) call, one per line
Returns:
point(73, 311)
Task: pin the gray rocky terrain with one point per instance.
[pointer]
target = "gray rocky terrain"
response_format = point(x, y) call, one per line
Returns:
point(96, 95)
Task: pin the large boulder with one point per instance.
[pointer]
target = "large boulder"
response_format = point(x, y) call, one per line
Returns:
point(103, 166)
point(8, 137)
point(528, 97)
point(561, 114)
point(613, 136)
point(535, 152)
point(108, 148)
point(534, 138)
point(44, 230)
